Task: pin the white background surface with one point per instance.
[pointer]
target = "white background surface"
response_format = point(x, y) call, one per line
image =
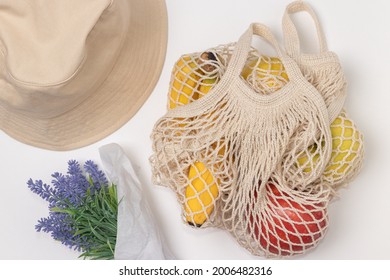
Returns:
point(359, 221)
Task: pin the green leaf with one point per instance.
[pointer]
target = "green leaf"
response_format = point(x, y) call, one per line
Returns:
point(59, 210)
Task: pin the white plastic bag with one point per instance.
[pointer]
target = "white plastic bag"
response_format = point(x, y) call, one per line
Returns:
point(138, 236)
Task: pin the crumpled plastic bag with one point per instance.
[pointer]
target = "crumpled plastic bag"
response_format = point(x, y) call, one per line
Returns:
point(138, 236)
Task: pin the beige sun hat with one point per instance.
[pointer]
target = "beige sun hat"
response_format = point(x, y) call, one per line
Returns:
point(73, 72)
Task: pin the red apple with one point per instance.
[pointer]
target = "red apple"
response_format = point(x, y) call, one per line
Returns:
point(284, 226)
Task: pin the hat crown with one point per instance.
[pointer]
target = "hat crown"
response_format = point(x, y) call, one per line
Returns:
point(43, 41)
point(55, 53)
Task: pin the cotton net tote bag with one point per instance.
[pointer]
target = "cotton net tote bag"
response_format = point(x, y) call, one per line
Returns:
point(236, 140)
point(324, 71)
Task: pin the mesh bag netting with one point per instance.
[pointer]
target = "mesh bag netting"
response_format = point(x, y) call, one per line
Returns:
point(323, 70)
point(273, 197)
point(328, 78)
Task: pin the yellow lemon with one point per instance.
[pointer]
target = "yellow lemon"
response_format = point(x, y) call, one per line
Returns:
point(309, 159)
point(347, 151)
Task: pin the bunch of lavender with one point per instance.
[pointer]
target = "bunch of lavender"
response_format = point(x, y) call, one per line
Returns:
point(83, 210)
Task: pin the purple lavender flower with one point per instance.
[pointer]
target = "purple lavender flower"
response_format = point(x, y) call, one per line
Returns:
point(68, 192)
point(43, 190)
point(59, 225)
point(97, 176)
point(71, 188)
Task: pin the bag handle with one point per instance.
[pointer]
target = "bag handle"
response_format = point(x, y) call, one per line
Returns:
point(243, 47)
point(291, 38)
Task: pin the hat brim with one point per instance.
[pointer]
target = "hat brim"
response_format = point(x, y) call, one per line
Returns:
point(121, 95)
